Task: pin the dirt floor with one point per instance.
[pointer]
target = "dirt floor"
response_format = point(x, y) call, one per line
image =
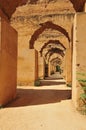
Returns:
point(42, 108)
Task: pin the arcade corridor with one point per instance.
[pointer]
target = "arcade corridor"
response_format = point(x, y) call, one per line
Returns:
point(42, 64)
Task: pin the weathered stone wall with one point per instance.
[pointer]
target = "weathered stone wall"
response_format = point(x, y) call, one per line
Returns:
point(68, 67)
point(79, 54)
point(61, 5)
point(27, 67)
point(8, 62)
point(26, 25)
point(40, 67)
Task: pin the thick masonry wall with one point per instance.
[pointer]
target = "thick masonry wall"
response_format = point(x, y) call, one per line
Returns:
point(79, 55)
point(27, 67)
point(26, 26)
point(8, 62)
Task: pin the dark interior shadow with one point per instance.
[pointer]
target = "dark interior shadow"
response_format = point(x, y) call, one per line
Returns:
point(28, 97)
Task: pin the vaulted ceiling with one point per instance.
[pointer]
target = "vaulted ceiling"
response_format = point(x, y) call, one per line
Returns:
point(9, 6)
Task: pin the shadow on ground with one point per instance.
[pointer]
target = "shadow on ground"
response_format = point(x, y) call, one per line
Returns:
point(50, 82)
point(28, 97)
point(52, 78)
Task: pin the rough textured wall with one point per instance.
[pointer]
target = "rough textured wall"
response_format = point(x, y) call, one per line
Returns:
point(8, 62)
point(27, 65)
point(27, 23)
point(41, 70)
point(81, 42)
point(79, 52)
point(9, 6)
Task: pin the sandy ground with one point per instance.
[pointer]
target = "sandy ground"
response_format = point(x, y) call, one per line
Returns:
point(42, 108)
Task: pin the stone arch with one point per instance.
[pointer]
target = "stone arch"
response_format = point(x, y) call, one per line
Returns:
point(56, 42)
point(54, 50)
point(55, 55)
point(56, 60)
point(9, 10)
point(44, 26)
point(62, 55)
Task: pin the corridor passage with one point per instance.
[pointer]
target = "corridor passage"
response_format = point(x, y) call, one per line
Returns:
point(54, 79)
point(47, 107)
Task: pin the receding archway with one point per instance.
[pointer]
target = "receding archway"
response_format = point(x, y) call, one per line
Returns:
point(55, 50)
point(47, 57)
point(54, 59)
point(44, 26)
point(56, 42)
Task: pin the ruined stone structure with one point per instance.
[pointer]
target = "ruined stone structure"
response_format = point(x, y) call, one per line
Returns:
point(34, 31)
point(50, 33)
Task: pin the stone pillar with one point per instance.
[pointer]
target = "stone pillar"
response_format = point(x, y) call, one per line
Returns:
point(65, 67)
point(36, 68)
point(74, 88)
point(49, 68)
point(41, 68)
point(8, 62)
point(68, 65)
point(79, 56)
point(54, 67)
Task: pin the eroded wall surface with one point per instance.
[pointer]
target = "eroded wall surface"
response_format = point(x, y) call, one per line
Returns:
point(8, 62)
point(27, 67)
point(26, 25)
point(79, 55)
point(41, 66)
